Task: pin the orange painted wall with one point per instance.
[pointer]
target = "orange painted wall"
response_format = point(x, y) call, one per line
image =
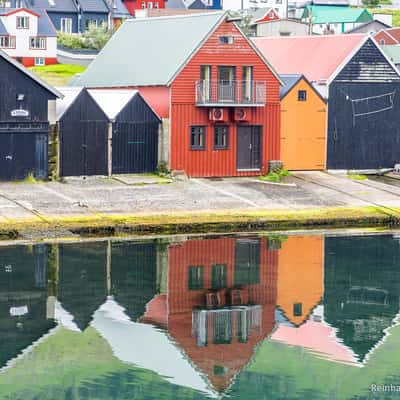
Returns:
point(300, 275)
point(303, 130)
point(185, 113)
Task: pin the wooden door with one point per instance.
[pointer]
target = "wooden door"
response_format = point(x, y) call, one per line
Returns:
point(249, 152)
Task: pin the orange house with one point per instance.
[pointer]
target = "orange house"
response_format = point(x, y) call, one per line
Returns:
point(300, 277)
point(220, 302)
point(303, 125)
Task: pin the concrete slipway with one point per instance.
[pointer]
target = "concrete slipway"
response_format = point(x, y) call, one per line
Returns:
point(138, 204)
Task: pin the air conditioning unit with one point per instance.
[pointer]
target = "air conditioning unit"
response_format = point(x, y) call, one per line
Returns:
point(241, 114)
point(217, 114)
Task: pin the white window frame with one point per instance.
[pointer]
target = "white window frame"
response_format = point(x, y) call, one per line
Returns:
point(38, 43)
point(3, 42)
point(40, 61)
point(66, 25)
point(25, 22)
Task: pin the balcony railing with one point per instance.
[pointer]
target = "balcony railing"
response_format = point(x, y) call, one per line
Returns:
point(230, 93)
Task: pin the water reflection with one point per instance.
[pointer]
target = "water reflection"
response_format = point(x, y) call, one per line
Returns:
point(188, 318)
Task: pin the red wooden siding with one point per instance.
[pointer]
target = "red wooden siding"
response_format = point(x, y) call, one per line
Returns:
point(132, 5)
point(182, 301)
point(184, 112)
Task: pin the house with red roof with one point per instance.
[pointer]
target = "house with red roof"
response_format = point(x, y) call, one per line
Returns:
point(362, 87)
point(217, 94)
point(389, 36)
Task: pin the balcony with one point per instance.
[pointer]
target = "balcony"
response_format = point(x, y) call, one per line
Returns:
point(230, 93)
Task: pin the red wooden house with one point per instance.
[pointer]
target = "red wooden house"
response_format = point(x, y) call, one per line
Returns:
point(218, 95)
point(133, 5)
point(220, 302)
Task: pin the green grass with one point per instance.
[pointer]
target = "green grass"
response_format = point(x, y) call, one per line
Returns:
point(394, 12)
point(357, 177)
point(276, 176)
point(58, 74)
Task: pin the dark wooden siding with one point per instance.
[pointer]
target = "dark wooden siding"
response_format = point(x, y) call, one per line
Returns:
point(368, 65)
point(15, 82)
point(184, 112)
point(135, 138)
point(83, 138)
point(363, 141)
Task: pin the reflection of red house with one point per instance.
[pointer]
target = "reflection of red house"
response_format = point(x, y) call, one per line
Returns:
point(221, 300)
point(133, 5)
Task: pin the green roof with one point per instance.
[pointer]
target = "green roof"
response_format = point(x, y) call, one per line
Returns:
point(392, 52)
point(149, 51)
point(336, 14)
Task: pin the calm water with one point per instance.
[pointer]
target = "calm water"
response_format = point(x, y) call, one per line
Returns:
point(249, 317)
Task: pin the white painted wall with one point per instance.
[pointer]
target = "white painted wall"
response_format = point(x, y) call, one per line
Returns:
point(279, 5)
point(22, 37)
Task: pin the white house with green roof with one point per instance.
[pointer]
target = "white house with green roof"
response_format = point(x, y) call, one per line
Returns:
point(334, 19)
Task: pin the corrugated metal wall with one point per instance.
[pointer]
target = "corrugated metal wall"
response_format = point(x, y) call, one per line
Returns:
point(184, 113)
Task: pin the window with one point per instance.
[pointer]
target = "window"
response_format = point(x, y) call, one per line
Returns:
point(302, 95)
point(221, 136)
point(297, 309)
point(156, 4)
point(91, 23)
point(197, 137)
point(66, 25)
point(226, 39)
point(205, 79)
point(382, 41)
point(144, 5)
point(7, 42)
point(39, 61)
point(218, 276)
point(22, 22)
point(196, 277)
point(278, 1)
point(37, 43)
point(247, 78)
point(150, 4)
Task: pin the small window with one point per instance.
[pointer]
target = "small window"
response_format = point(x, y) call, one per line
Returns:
point(197, 137)
point(221, 136)
point(39, 61)
point(382, 41)
point(22, 22)
point(302, 95)
point(156, 4)
point(38, 43)
point(196, 277)
point(297, 309)
point(91, 23)
point(218, 276)
point(66, 25)
point(226, 39)
point(150, 4)
point(7, 42)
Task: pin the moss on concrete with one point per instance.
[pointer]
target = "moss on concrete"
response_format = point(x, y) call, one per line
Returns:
point(201, 222)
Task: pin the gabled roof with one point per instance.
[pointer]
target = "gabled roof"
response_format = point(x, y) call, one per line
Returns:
point(316, 57)
point(31, 75)
point(393, 52)
point(45, 26)
point(197, 5)
point(118, 9)
point(112, 102)
point(393, 33)
point(96, 6)
point(290, 81)
point(336, 14)
point(259, 14)
point(70, 94)
point(363, 28)
point(55, 5)
point(150, 51)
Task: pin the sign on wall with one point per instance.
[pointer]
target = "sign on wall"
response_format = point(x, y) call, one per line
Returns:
point(19, 113)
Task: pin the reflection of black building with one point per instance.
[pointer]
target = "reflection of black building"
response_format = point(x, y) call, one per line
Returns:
point(362, 282)
point(23, 298)
point(134, 275)
point(82, 287)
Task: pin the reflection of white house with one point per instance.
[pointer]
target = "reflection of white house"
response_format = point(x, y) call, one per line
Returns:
point(28, 36)
point(146, 347)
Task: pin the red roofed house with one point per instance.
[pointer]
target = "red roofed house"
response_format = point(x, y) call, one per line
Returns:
point(389, 36)
point(216, 92)
point(362, 87)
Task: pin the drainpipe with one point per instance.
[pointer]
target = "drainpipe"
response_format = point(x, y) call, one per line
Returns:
point(109, 147)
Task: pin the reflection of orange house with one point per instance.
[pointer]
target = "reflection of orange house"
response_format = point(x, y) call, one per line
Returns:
point(300, 276)
point(221, 301)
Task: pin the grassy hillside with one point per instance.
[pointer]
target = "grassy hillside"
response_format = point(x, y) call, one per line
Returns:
point(58, 74)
